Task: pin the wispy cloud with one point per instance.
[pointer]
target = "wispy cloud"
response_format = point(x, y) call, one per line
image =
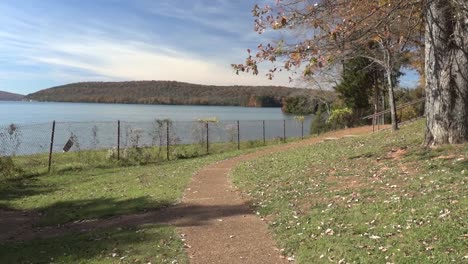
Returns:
point(192, 46)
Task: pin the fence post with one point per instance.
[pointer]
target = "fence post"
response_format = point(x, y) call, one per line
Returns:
point(379, 120)
point(167, 140)
point(238, 135)
point(207, 139)
point(51, 145)
point(118, 139)
point(284, 130)
point(264, 138)
point(373, 123)
point(302, 129)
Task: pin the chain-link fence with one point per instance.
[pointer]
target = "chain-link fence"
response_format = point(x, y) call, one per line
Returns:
point(57, 145)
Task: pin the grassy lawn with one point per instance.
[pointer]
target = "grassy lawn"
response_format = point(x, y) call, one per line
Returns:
point(145, 244)
point(88, 185)
point(372, 199)
point(76, 193)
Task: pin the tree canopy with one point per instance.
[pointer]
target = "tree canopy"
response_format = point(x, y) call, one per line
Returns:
point(390, 33)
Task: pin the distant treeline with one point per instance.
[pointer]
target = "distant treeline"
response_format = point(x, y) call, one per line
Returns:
point(6, 96)
point(171, 92)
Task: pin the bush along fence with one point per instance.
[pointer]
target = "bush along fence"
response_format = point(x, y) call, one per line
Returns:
point(43, 147)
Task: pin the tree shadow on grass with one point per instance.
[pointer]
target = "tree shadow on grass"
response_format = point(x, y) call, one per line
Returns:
point(150, 243)
point(18, 188)
point(15, 224)
point(123, 234)
point(95, 214)
point(73, 210)
point(28, 185)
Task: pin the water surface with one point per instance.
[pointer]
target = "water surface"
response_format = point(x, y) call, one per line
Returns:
point(41, 112)
point(95, 126)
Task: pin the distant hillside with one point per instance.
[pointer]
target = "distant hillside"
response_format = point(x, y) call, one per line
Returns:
point(6, 96)
point(171, 92)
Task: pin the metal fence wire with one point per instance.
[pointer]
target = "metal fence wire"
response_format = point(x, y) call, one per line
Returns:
point(31, 140)
point(39, 148)
point(36, 146)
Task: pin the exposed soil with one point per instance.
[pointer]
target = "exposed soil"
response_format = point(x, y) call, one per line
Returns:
point(213, 218)
point(397, 153)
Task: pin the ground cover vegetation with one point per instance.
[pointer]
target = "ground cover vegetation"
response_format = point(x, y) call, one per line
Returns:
point(77, 193)
point(93, 183)
point(142, 244)
point(380, 198)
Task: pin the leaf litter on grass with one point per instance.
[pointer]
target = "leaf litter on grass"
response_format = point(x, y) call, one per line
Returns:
point(376, 198)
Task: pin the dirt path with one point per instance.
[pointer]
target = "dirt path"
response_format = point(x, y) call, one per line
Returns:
point(215, 220)
point(232, 233)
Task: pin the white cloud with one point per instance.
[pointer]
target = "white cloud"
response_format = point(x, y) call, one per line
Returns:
point(139, 61)
point(84, 52)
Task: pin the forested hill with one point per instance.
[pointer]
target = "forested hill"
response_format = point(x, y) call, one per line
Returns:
point(170, 92)
point(6, 96)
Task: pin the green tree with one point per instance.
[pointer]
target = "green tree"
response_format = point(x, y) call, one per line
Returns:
point(299, 105)
point(319, 123)
point(357, 83)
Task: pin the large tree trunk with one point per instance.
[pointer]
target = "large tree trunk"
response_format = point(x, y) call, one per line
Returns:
point(446, 73)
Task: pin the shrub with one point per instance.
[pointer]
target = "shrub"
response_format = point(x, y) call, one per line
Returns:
point(132, 155)
point(299, 118)
point(408, 113)
point(340, 118)
point(318, 124)
point(10, 137)
point(7, 168)
point(199, 128)
point(111, 154)
point(182, 152)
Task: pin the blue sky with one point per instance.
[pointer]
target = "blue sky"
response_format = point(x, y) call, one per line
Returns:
point(53, 42)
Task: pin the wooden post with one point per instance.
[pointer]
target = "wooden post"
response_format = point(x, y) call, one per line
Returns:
point(264, 138)
point(378, 122)
point(284, 131)
point(167, 140)
point(118, 139)
point(207, 139)
point(238, 135)
point(51, 145)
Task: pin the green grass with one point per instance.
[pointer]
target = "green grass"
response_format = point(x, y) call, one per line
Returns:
point(145, 244)
point(372, 199)
point(77, 193)
point(87, 184)
point(33, 165)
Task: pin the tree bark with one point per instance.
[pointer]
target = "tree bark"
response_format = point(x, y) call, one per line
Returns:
point(391, 100)
point(446, 73)
point(376, 118)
